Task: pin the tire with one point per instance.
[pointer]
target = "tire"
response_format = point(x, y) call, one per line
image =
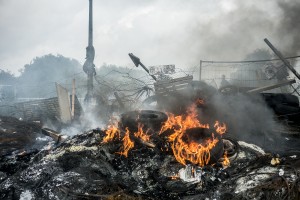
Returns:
point(200, 135)
point(228, 90)
point(173, 102)
point(272, 99)
point(149, 118)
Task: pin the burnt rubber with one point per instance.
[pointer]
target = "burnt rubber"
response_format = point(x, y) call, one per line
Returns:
point(150, 119)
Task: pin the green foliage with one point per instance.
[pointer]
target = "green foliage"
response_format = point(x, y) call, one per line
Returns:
point(7, 78)
point(38, 78)
point(7, 82)
point(50, 68)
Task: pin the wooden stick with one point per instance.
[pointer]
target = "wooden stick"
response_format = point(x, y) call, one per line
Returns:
point(273, 86)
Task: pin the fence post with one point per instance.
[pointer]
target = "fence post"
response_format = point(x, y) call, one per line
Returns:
point(200, 70)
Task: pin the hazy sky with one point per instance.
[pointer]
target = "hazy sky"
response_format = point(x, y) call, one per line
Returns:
point(179, 32)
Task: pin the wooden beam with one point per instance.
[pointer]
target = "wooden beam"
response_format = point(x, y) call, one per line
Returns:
point(270, 87)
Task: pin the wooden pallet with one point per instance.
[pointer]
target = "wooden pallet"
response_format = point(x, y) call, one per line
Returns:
point(177, 84)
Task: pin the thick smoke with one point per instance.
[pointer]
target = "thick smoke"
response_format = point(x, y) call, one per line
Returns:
point(248, 118)
point(160, 32)
point(240, 29)
point(289, 27)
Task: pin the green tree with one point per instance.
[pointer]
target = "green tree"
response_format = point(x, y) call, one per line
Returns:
point(38, 78)
point(7, 86)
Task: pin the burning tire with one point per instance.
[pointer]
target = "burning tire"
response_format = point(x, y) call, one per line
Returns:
point(200, 135)
point(149, 119)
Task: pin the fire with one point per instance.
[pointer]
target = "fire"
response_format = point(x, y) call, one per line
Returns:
point(186, 149)
point(182, 123)
point(127, 144)
point(141, 134)
point(220, 128)
point(190, 151)
point(195, 153)
point(226, 161)
point(199, 102)
point(174, 177)
point(112, 131)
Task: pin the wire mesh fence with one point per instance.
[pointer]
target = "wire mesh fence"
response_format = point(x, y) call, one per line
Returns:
point(247, 74)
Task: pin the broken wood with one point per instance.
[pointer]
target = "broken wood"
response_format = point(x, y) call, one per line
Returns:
point(64, 104)
point(53, 134)
point(148, 144)
point(273, 86)
point(176, 84)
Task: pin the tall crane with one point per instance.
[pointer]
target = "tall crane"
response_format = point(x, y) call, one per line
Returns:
point(88, 66)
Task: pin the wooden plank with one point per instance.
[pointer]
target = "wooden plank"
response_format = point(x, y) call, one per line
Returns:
point(173, 84)
point(273, 86)
point(170, 85)
point(176, 88)
point(186, 78)
point(64, 104)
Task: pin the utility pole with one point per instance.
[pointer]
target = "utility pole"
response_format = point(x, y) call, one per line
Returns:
point(88, 66)
point(73, 99)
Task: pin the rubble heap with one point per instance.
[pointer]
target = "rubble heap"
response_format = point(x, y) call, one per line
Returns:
point(84, 167)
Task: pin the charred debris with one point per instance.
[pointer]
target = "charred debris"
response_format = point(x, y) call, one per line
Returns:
point(189, 140)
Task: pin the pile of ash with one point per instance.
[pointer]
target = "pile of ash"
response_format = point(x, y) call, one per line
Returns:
point(83, 167)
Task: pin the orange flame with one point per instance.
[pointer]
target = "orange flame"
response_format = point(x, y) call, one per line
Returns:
point(127, 144)
point(141, 134)
point(220, 128)
point(183, 123)
point(199, 102)
point(112, 131)
point(226, 161)
point(184, 151)
point(193, 152)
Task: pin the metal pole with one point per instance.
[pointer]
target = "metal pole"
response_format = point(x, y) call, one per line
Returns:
point(89, 67)
point(147, 70)
point(200, 70)
point(91, 23)
point(90, 75)
point(73, 99)
point(287, 64)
